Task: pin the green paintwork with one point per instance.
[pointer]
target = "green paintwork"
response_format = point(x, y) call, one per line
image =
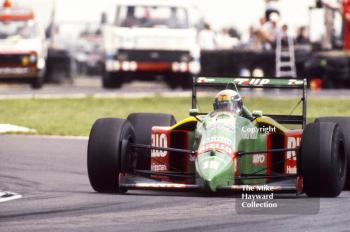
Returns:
point(227, 134)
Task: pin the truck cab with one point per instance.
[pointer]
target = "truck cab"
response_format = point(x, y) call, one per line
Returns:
point(22, 46)
point(151, 39)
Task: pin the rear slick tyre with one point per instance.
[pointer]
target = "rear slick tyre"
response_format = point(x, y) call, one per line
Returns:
point(104, 156)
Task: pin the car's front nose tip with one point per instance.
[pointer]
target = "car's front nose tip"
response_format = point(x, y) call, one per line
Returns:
point(210, 168)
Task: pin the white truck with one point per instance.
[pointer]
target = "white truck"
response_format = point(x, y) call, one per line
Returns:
point(150, 40)
point(22, 46)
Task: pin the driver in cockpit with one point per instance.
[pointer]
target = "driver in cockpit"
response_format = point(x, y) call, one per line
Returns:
point(231, 101)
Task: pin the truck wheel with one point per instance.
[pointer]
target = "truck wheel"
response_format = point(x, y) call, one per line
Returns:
point(143, 123)
point(323, 159)
point(173, 82)
point(37, 83)
point(187, 82)
point(105, 153)
point(344, 123)
point(111, 81)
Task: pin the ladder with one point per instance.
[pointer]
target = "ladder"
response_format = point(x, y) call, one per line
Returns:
point(285, 56)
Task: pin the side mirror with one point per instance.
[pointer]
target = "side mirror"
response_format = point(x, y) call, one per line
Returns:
point(257, 113)
point(194, 112)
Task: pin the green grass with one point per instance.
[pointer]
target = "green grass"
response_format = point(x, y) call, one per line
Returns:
point(76, 116)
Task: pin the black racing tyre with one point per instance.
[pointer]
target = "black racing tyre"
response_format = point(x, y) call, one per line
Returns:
point(106, 157)
point(143, 123)
point(37, 83)
point(323, 160)
point(344, 123)
point(111, 80)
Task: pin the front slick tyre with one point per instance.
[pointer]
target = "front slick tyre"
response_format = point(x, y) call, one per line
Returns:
point(323, 160)
point(344, 123)
point(104, 157)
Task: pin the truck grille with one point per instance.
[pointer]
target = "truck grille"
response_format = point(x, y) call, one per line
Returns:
point(12, 59)
point(153, 55)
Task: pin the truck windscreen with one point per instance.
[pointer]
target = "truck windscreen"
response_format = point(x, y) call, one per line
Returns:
point(23, 29)
point(152, 16)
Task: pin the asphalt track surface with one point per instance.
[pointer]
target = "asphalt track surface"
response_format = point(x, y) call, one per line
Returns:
point(91, 87)
point(51, 175)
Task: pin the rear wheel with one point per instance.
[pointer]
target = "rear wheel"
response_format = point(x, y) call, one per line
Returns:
point(143, 123)
point(107, 153)
point(323, 160)
point(344, 123)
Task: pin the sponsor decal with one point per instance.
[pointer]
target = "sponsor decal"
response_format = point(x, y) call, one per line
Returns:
point(224, 148)
point(250, 82)
point(159, 158)
point(291, 156)
point(222, 127)
point(213, 164)
point(259, 159)
point(205, 80)
point(159, 167)
point(218, 139)
point(246, 81)
point(295, 82)
point(159, 140)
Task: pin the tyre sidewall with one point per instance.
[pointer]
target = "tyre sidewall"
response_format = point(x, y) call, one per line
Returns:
point(104, 153)
point(319, 159)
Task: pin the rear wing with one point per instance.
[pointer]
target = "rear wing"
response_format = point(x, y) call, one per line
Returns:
point(265, 83)
point(250, 82)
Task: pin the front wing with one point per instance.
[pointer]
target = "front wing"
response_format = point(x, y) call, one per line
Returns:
point(136, 182)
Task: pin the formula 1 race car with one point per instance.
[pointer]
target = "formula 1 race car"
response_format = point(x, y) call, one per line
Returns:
point(222, 150)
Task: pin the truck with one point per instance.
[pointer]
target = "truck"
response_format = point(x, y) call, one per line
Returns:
point(151, 40)
point(22, 46)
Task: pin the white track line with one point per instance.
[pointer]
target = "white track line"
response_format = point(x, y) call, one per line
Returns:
point(60, 137)
point(8, 128)
point(9, 196)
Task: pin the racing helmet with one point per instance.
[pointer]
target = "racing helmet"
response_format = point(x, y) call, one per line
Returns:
point(228, 100)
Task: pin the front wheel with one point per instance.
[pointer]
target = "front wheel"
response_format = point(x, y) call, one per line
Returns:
point(106, 156)
point(344, 123)
point(323, 159)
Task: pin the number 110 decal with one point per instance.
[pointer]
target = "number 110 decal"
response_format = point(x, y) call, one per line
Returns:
point(159, 140)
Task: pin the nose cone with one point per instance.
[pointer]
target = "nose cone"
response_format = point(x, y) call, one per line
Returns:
point(215, 169)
